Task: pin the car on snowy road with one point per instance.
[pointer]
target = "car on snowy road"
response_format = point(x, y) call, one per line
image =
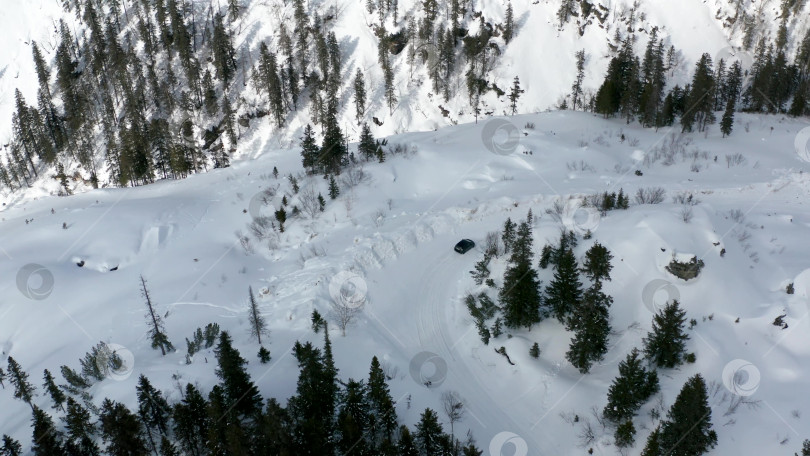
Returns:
point(464, 246)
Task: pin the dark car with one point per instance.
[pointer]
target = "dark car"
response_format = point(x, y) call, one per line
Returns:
point(464, 246)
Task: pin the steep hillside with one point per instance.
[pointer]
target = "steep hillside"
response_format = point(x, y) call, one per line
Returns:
point(541, 54)
point(390, 233)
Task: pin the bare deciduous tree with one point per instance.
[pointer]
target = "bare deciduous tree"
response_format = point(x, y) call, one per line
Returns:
point(453, 408)
point(308, 199)
point(343, 315)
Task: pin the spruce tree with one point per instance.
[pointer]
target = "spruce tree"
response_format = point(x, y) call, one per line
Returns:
point(334, 190)
point(191, 421)
point(687, 430)
point(592, 329)
point(359, 96)
point(47, 439)
point(81, 431)
point(312, 408)
point(596, 266)
point(625, 434)
point(429, 433)
point(157, 334)
point(727, 122)
point(406, 446)
point(23, 389)
point(239, 389)
point(514, 95)
point(121, 430)
point(10, 447)
point(56, 395)
point(258, 326)
point(153, 410)
point(383, 415)
point(508, 235)
point(309, 150)
point(576, 87)
point(481, 271)
point(633, 386)
point(653, 446)
point(520, 294)
point(509, 24)
point(665, 345)
point(700, 101)
point(367, 146)
point(353, 420)
point(564, 292)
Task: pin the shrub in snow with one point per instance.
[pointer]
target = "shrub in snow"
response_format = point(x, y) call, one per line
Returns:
point(685, 270)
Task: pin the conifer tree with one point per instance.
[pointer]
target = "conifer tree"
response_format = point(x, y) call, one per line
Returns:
point(47, 439)
point(429, 433)
point(727, 122)
point(653, 446)
point(353, 420)
point(406, 446)
point(80, 439)
point(509, 24)
point(334, 190)
point(239, 390)
point(258, 326)
point(10, 447)
point(576, 87)
point(359, 95)
point(592, 329)
point(368, 145)
point(56, 395)
point(312, 408)
point(700, 101)
point(514, 95)
point(520, 294)
point(18, 378)
point(665, 345)
point(309, 150)
point(633, 386)
point(156, 332)
point(596, 266)
point(153, 411)
point(564, 292)
point(382, 412)
point(688, 427)
point(121, 430)
point(191, 421)
point(508, 235)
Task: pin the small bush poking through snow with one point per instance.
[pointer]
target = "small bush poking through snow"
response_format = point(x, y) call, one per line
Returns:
point(650, 195)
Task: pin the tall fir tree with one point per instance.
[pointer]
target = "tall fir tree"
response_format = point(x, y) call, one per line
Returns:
point(520, 294)
point(630, 389)
point(157, 333)
point(18, 378)
point(564, 292)
point(665, 345)
point(687, 430)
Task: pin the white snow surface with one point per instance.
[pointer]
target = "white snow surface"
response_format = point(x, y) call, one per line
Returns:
point(396, 230)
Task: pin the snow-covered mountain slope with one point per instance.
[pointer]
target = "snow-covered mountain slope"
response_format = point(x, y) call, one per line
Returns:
point(391, 232)
point(542, 55)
